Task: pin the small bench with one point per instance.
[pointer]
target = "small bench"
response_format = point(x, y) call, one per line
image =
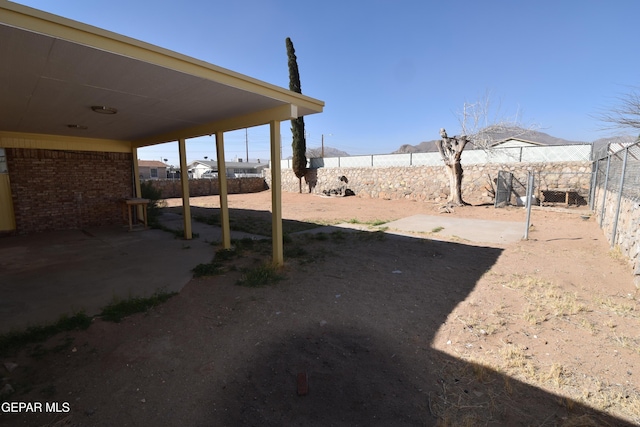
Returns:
point(127, 207)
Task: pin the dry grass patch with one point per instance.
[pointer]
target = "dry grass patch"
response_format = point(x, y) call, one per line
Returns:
point(609, 396)
point(617, 255)
point(545, 300)
point(556, 374)
point(621, 306)
point(478, 325)
point(515, 361)
point(511, 337)
point(466, 396)
point(624, 341)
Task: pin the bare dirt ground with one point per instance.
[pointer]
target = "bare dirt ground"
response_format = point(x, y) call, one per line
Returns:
point(384, 330)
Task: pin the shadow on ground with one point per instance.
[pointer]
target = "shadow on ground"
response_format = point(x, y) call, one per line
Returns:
point(46, 275)
point(242, 220)
point(356, 317)
point(366, 350)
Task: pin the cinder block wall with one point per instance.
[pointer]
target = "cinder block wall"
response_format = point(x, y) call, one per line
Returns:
point(58, 190)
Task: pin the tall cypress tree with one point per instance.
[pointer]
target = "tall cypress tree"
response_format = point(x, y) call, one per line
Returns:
point(299, 144)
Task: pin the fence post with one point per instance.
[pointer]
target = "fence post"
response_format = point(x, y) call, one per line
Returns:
point(594, 181)
point(529, 194)
point(410, 159)
point(372, 160)
point(604, 191)
point(615, 221)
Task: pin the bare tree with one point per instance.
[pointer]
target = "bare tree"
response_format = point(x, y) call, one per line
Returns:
point(626, 114)
point(451, 151)
point(482, 130)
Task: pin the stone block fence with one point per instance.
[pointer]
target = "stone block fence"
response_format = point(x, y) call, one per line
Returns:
point(626, 236)
point(431, 183)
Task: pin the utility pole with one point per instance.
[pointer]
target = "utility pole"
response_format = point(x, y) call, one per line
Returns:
point(330, 134)
point(246, 141)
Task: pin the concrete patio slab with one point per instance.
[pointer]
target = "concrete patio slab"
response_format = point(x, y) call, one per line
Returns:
point(438, 227)
point(474, 230)
point(45, 275)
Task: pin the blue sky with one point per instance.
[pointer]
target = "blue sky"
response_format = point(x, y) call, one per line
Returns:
point(394, 72)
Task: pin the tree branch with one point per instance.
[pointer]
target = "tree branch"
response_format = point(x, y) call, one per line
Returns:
point(626, 115)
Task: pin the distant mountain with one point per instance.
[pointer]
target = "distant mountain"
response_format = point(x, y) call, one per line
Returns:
point(423, 147)
point(529, 135)
point(328, 152)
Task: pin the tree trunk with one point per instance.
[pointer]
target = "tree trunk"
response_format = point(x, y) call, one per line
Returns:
point(455, 184)
point(451, 151)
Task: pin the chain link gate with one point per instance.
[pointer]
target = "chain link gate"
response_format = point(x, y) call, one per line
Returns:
point(503, 189)
point(565, 189)
point(509, 190)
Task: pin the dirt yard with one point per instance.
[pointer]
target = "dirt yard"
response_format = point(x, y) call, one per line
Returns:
point(365, 329)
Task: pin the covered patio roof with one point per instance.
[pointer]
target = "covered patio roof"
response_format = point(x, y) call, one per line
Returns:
point(58, 69)
point(68, 84)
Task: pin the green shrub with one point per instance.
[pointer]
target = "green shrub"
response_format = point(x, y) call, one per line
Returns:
point(14, 340)
point(261, 276)
point(119, 309)
point(209, 269)
point(156, 202)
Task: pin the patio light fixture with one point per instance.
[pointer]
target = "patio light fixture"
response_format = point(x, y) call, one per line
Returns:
point(101, 109)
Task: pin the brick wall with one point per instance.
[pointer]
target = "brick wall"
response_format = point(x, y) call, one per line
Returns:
point(208, 187)
point(57, 190)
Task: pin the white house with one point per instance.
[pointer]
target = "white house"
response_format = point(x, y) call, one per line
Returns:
point(198, 168)
point(516, 143)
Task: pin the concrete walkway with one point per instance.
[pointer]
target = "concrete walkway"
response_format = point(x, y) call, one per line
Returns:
point(440, 227)
point(473, 230)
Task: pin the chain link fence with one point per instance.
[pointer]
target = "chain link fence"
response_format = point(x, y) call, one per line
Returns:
point(562, 189)
point(616, 185)
point(616, 199)
point(619, 171)
point(565, 188)
point(558, 153)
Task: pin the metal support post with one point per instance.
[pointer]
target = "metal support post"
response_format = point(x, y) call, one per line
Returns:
point(615, 220)
point(604, 191)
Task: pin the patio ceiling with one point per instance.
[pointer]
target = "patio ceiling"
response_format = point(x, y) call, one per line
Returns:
point(54, 70)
